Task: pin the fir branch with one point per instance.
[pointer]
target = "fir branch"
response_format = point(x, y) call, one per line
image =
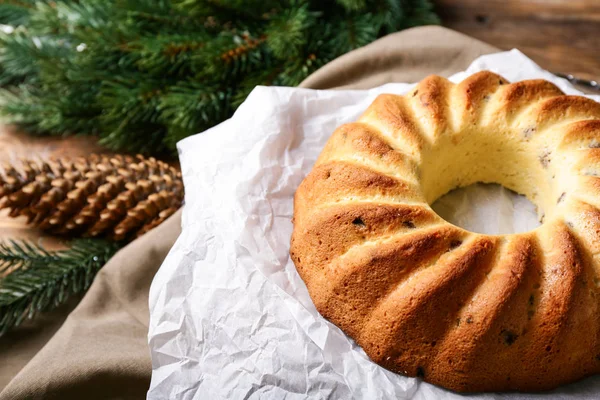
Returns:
point(15, 12)
point(233, 9)
point(15, 255)
point(170, 55)
point(46, 110)
point(156, 16)
point(192, 107)
point(125, 68)
point(353, 32)
point(297, 70)
point(21, 55)
point(44, 280)
point(69, 17)
point(287, 30)
point(396, 15)
point(353, 5)
point(134, 102)
point(230, 55)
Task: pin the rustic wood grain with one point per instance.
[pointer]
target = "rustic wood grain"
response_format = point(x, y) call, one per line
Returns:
point(560, 35)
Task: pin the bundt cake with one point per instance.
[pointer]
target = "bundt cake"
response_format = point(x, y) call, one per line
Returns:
point(422, 297)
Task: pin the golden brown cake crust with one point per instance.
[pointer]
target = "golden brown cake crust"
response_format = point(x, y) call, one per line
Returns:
point(422, 297)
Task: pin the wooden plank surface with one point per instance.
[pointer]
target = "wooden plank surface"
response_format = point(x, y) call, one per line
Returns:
point(560, 35)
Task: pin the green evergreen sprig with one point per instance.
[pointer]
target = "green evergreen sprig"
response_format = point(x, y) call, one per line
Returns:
point(143, 74)
point(15, 255)
point(36, 280)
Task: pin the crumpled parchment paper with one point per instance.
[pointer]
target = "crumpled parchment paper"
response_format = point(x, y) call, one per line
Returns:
point(230, 317)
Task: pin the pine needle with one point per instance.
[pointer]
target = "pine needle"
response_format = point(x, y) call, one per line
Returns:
point(125, 70)
point(15, 255)
point(37, 280)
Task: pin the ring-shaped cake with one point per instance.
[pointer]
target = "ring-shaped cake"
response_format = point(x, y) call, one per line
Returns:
point(422, 297)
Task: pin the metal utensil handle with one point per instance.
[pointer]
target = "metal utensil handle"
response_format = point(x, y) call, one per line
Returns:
point(583, 82)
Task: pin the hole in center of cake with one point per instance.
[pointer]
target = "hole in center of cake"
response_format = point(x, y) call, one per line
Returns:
point(488, 208)
point(507, 183)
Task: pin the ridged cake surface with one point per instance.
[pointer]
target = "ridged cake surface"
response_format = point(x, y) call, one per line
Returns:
point(422, 297)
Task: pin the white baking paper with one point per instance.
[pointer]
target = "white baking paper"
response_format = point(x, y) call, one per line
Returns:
point(230, 317)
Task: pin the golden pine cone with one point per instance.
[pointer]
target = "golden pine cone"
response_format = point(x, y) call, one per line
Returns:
point(119, 197)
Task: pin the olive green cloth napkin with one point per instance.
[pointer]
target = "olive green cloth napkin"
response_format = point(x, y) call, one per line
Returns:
point(101, 350)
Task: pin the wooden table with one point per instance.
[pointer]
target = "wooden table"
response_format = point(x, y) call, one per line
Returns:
point(560, 35)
